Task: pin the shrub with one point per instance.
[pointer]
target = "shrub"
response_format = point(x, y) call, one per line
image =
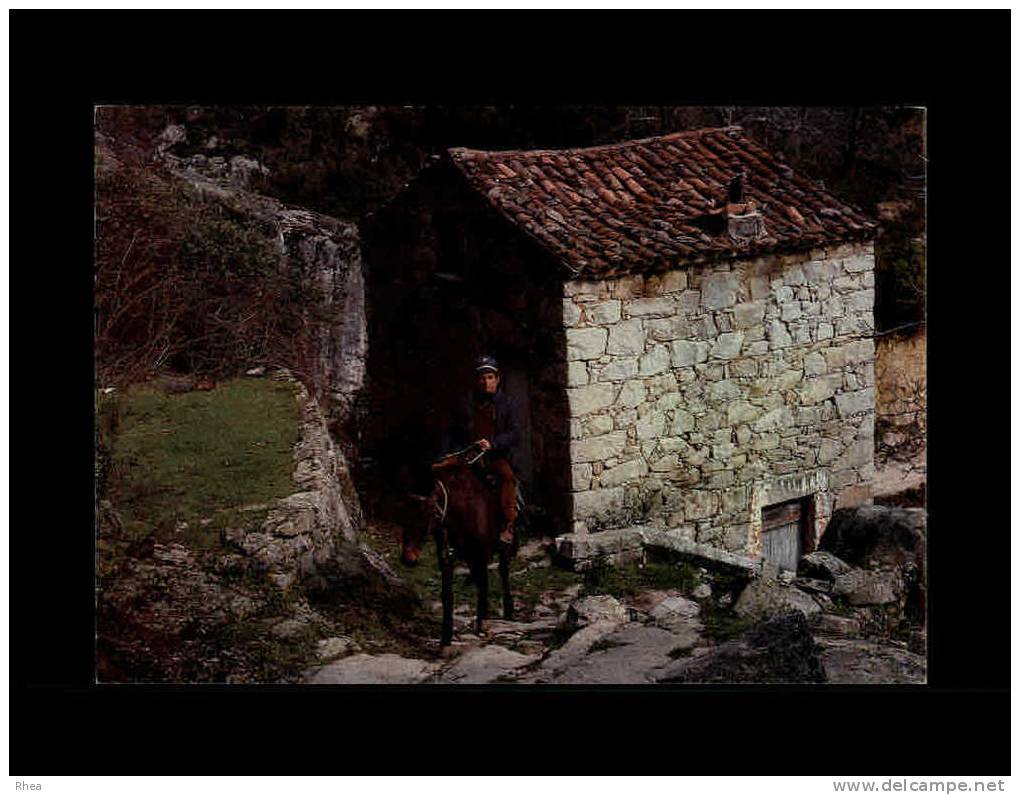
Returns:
point(189, 283)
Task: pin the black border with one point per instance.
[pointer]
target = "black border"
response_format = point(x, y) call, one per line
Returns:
point(62, 63)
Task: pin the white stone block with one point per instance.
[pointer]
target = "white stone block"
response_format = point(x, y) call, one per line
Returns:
point(683, 422)
point(589, 504)
point(586, 399)
point(571, 314)
point(741, 411)
point(668, 328)
point(859, 263)
point(748, 314)
point(815, 390)
point(597, 425)
point(814, 364)
point(626, 338)
point(577, 373)
point(585, 343)
point(619, 369)
point(657, 360)
point(657, 307)
point(850, 403)
point(684, 353)
point(727, 345)
point(632, 394)
point(580, 476)
point(598, 448)
point(603, 312)
point(626, 472)
point(719, 290)
point(778, 336)
point(651, 426)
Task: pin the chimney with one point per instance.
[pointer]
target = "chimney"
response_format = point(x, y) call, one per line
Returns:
point(737, 186)
point(743, 219)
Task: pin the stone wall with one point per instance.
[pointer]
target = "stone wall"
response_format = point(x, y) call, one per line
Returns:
point(700, 395)
point(311, 535)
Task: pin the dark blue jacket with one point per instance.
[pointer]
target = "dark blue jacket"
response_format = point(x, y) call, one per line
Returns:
point(461, 433)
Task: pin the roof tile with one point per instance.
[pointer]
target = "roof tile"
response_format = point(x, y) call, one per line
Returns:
point(635, 205)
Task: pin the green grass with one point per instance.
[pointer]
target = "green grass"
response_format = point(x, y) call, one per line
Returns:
point(199, 456)
point(722, 623)
point(527, 587)
point(623, 581)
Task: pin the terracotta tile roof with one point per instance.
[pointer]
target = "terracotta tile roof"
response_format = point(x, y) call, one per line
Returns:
point(643, 205)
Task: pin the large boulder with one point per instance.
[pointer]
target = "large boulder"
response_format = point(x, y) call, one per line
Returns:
point(866, 587)
point(882, 539)
point(485, 665)
point(367, 669)
point(780, 649)
point(821, 565)
point(876, 536)
point(590, 610)
point(764, 597)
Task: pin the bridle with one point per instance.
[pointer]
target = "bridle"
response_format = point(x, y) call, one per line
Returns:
point(441, 512)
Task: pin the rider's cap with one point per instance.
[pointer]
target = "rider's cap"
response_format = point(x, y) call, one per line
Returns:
point(486, 363)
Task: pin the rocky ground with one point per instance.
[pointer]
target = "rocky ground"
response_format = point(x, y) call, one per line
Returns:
point(198, 618)
point(713, 629)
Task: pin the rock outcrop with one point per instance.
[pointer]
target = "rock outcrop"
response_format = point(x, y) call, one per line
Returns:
point(891, 544)
point(876, 536)
point(780, 649)
point(312, 535)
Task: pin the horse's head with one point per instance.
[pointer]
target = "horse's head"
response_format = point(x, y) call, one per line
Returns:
point(416, 532)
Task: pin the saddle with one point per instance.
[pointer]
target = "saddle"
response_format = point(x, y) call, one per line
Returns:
point(471, 457)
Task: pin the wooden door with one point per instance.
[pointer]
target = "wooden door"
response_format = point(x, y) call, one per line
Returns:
point(782, 533)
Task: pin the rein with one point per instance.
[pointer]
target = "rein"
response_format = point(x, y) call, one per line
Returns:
point(441, 515)
point(441, 512)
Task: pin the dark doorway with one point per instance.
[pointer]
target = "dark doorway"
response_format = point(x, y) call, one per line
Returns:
point(446, 282)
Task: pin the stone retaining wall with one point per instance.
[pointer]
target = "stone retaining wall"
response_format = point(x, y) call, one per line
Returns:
point(312, 534)
point(700, 395)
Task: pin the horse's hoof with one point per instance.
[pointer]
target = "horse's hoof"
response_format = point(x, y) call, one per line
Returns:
point(446, 652)
point(482, 627)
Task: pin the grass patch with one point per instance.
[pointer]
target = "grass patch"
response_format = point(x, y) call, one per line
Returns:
point(528, 586)
point(198, 458)
point(621, 581)
point(720, 623)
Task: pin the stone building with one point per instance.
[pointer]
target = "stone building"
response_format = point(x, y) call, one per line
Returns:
point(689, 320)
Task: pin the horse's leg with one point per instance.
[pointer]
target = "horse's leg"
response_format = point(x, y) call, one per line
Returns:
point(504, 577)
point(481, 576)
point(446, 572)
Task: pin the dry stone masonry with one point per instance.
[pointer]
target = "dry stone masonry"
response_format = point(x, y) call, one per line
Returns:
point(701, 395)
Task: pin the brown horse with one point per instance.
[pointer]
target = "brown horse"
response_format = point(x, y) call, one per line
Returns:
point(464, 518)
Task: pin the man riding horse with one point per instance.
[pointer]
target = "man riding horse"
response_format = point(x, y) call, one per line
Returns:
point(488, 418)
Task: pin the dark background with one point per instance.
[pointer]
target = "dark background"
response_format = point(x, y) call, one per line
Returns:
point(62, 63)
